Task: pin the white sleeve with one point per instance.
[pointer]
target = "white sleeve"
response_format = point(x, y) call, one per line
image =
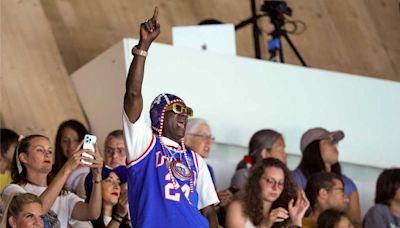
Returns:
point(11, 189)
point(205, 187)
point(138, 137)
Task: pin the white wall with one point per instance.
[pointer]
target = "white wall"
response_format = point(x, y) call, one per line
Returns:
point(239, 96)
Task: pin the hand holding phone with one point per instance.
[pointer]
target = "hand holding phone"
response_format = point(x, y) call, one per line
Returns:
point(88, 143)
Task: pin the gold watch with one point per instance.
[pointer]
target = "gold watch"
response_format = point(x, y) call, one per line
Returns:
point(137, 51)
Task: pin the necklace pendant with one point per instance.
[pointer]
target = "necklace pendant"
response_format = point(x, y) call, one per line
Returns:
point(181, 171)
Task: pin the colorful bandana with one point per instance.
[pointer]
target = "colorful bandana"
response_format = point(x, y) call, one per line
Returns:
point(157, 109)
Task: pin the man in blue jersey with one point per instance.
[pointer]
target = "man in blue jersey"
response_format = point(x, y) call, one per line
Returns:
point(169, 185)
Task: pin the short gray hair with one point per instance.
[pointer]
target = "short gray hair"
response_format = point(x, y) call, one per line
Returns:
point(193, 125)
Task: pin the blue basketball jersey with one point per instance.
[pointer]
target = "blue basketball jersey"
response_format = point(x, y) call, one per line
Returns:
point(154, 200)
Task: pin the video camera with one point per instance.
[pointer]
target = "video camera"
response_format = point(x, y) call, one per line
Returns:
point(276, 7)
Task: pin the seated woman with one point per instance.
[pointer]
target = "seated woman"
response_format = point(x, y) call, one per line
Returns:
point(386, 212)
point(23, 210)
point(114, 211)
point(264, 143)
point(320, 153)
point(270, 199)
point(333, 218)
point(30, 169)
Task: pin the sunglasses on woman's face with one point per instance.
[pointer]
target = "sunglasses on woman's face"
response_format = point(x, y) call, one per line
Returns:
point(180, 109)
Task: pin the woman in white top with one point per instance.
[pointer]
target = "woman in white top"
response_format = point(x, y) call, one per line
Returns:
point(30, 171)
point(270, 199)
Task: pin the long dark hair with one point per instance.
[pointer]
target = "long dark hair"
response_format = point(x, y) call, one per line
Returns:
point(312, 162)
point(252, 199)
point(22, 147)
point(387, 185)
point(60, 158)
point(262, 139)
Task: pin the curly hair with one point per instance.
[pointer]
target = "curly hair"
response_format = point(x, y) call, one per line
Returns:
point(252, 199)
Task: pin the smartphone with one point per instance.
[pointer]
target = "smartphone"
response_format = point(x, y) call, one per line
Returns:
point(88, 143)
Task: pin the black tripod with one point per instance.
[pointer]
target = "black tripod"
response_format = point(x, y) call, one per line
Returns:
point(274, 45)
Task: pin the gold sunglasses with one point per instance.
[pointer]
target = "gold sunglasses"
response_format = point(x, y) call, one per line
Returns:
point(180, 109)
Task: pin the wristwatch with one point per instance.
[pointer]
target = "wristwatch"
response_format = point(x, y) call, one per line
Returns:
point(137, 51)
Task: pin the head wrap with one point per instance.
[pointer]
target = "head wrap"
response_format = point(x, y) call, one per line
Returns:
point(158, 107)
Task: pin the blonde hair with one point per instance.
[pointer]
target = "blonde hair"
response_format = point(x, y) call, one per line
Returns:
point(14, 205)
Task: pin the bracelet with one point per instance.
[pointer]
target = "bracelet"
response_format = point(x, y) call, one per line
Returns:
point(137, 51)
point(118, 216)
point(119, 220)
point(96, 181)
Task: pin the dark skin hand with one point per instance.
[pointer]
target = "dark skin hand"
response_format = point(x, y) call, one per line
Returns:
point(211, 215)
point(133, 100)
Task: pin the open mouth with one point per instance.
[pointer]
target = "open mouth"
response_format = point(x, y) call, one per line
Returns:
point(115, 194)
point(181, 124)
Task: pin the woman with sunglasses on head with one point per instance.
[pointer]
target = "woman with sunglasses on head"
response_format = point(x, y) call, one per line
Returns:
point(114, 209)
point(23, 210)
point(263, 144)
point(30, 172)
point(270, 199)
point(320, 153)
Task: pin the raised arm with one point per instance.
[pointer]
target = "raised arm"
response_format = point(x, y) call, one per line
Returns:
point(49, 196)
point(89, 211)
point(133, 100)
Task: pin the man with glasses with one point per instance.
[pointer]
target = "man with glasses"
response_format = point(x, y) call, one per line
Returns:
point(114, 149)
point(169, 185)
point(324, 190)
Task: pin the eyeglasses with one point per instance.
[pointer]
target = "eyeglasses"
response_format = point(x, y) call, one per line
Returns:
point(272, 182)
point(336, 189)
point(110, 150)
point(180, 109)
point(204, 136)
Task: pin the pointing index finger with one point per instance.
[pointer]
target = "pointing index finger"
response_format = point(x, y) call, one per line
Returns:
point(155, 15)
